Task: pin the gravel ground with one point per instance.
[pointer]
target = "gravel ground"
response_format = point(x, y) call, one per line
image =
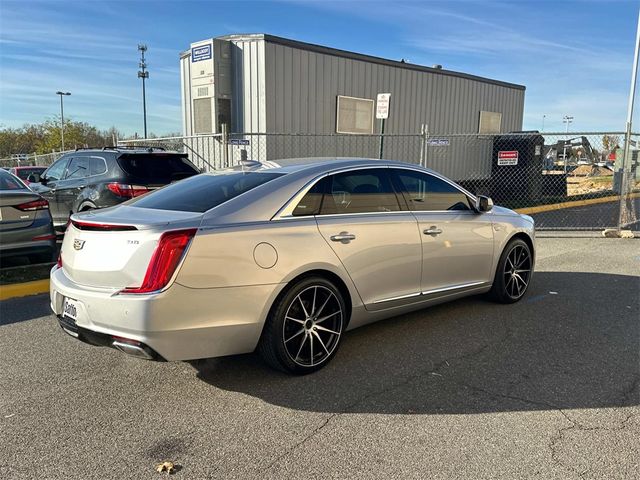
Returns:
point(547, 388)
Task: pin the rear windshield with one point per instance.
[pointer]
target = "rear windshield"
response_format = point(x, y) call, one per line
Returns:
point(24, 173)
point(9, 182)
point(159, 168)
point(203, 192)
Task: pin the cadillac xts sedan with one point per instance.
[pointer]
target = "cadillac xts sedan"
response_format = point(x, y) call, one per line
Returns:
point(282, 257)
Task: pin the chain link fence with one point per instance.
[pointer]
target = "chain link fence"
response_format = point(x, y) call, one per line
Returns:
point(38, 159)
point(566, 181)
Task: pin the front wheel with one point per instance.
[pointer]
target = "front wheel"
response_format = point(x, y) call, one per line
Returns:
point(304, 328)
point(513, 273)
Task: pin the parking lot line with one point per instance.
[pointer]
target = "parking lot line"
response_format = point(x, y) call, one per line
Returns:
point(23, 289)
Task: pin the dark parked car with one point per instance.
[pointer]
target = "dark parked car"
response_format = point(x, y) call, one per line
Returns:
point(23, 172)
point(25, 222)
point(97, 178)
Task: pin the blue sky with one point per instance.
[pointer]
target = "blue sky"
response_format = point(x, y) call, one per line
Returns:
point(573, 56)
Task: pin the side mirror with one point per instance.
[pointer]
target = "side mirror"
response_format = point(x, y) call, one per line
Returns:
point(33, 178)
point(483, 204)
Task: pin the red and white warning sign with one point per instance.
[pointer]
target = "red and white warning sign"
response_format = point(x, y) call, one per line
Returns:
point(508, 157)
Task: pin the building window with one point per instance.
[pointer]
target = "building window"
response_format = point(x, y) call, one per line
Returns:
point(354, 115)
point(490, 122)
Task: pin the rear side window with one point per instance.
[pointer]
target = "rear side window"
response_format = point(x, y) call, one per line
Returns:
point(358, 191)
point(203, 192)
point(9, 182)
point(160, 168)
point(78, 168)
point(425, 192)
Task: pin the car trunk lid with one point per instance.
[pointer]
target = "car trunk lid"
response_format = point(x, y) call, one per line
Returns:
point(112, 248)
point(19, 209)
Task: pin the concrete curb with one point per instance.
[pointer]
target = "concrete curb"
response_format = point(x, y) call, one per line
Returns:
point(23, 289)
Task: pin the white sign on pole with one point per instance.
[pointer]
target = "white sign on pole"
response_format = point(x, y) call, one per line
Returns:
point(382, 106)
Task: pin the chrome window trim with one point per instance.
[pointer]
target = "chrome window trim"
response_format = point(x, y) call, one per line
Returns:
point(286, 212)
point(104, 161)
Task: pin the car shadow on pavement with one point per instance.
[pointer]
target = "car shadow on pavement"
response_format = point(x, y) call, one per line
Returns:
point(15, 310)
point(572, 342)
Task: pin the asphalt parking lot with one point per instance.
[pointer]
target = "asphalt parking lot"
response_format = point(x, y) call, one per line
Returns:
point(548, 388)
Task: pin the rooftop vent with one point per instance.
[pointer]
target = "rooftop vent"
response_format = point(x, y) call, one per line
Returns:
point(437, 66)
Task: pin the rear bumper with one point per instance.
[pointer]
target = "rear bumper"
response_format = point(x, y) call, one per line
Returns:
point(20, 241)
point(177, 324)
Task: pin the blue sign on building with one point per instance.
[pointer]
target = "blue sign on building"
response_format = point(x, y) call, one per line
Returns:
point(203, 52)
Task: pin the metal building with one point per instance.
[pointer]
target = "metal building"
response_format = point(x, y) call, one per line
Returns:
point(258, 83)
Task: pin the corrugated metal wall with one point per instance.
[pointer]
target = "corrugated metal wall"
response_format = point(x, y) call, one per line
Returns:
point(302, 88)
point(249, 91)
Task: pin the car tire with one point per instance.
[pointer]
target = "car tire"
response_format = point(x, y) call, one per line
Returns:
point(304, 328)
point(513, 274)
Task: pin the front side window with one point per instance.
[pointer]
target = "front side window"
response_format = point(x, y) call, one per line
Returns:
point(426, 192)
point(358, 191)
point(55, 171)
point(78, 168)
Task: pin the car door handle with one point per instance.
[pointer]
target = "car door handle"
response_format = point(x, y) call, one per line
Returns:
point(432, 231)
point(342, 237)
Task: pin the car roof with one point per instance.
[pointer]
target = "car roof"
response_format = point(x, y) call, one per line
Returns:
point(320, 164)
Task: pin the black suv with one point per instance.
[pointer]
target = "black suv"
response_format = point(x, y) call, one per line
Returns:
point(99, 178)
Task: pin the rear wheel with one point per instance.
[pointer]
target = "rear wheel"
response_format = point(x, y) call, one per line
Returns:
point(513, 273)
point(304, 327)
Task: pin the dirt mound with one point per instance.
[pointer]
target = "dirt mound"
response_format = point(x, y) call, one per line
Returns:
point(592, 171)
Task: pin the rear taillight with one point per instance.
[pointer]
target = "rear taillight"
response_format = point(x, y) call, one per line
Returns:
point(41, 204)
point(164, 261)
point(127, 191)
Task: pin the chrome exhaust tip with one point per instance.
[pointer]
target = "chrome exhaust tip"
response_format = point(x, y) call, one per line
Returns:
point(131, 349)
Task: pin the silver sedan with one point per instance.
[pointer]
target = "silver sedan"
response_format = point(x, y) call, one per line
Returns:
point(283, 258)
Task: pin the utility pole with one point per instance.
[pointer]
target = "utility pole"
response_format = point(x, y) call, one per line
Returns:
point(567, 119)
point(143, 74)
point(62, 94)
point(626, 159)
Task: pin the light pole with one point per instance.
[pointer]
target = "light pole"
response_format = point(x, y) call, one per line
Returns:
point(143, 74)
point(543, 117)
point(567, 120)
point(62, 94)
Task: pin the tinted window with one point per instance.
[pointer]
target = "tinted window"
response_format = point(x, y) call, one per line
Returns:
point(311, 202)
point(203, 192)
point(97, 166)
point(360, 191)
point(426, 192)
point(55, 171)
point(78, 168)
point(24, 173)
point(158, 167)
point(9, 182)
